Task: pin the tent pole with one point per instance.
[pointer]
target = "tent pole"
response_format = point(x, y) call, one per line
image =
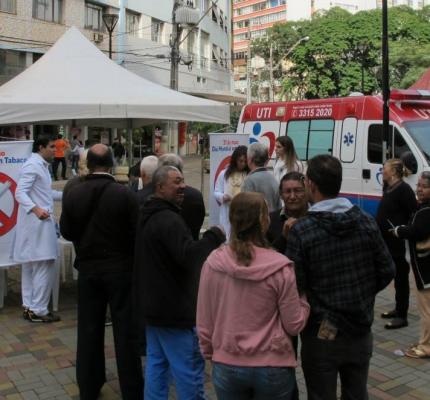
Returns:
point(130, 142)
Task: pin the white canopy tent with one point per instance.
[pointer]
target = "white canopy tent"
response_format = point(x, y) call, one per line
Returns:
point(74, 80)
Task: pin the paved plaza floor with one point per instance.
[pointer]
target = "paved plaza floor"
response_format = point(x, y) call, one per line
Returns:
point(37, 361)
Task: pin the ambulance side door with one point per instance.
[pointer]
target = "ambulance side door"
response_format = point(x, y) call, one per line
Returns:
point(349, 144)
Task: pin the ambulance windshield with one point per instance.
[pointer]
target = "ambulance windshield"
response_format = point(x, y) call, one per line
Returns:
point(420, 133)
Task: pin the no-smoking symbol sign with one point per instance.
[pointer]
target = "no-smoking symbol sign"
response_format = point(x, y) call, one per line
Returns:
point(8, 204)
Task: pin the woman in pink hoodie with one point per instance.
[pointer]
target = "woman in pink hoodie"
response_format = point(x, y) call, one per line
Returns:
point(248, 309)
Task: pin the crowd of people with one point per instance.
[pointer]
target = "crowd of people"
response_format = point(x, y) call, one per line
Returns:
point(289, 256)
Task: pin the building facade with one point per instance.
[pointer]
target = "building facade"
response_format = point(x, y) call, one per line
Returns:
point(251, 19)
point(141, 41)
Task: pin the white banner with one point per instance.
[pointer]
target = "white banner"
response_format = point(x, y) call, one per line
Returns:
point(221, 146)
point(12, 156)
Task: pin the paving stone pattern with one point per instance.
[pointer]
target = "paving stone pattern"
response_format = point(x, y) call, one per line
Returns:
point(37, 361)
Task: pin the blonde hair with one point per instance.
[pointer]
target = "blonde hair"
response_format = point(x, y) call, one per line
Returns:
point(248, 217)
point(82, 164)
point(290, 156)
point(398, 167)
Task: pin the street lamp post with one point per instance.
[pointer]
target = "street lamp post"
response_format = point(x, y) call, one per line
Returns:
point(385, 80)
point(183, 15)
point(363, 49)
point(110, 21)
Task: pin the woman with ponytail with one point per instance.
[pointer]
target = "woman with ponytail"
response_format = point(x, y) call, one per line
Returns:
point(397, 205)
point(248, 309)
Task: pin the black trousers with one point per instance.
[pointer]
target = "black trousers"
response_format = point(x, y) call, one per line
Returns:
point(401, 284)
point(95, 292)
point(324, 360)
point(55, 164)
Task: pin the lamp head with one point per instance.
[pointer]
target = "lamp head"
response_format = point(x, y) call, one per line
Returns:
point(110, 21)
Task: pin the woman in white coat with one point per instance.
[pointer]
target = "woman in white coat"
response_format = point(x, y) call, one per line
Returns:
point(286, 158)
point(228, 185)
point(35, 242)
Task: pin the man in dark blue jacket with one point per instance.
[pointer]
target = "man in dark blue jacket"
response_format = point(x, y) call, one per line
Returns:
point(341, 264)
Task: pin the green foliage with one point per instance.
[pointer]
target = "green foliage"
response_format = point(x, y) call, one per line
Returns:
point(343, 53)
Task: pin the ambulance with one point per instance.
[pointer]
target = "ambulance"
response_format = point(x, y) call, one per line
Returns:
point(349, 128)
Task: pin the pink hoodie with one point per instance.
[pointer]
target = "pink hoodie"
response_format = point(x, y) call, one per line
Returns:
point(245, 315)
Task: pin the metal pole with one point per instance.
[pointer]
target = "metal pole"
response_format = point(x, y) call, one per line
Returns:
point(385, 79)
point(130, 142)
point(172, 139)
point(174, 49)
point(110, 44)
point(271, 96)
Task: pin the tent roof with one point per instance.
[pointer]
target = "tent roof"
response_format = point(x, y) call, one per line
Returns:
point(424, 82)
point(74, 80)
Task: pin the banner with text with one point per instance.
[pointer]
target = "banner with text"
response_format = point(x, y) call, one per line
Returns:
point(12, 156)
point(221, 148)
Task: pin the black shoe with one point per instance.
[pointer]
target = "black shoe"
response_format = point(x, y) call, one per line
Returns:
point(389, 314)
point(397, 323)
point(43, 318)
point(25, 314)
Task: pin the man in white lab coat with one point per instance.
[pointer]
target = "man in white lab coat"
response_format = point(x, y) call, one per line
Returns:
point(35, 243)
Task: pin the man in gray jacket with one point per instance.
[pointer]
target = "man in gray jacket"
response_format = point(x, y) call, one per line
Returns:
point(261, 179)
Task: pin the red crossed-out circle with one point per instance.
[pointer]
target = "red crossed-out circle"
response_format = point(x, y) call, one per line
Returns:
point(8, 222)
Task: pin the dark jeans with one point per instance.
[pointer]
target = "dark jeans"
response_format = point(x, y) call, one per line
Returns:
point(55, 164)
point(95, 292)
point(324, 360)
point(257, 383)
point(401, 284)
point(75, 162)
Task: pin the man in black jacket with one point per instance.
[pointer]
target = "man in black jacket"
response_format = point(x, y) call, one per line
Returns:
point(99, 216)
point(167, 269)
point(192, 207)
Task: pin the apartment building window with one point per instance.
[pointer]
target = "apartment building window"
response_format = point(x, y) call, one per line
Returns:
point(206, 5)
point(12, 63)
point(214, 12)
point(215, 54)
point(93, 17)
point(48, 10)
point(191, 44)
point(204, 49)
point(156, 30)
point(132, 23)
point(8, 6)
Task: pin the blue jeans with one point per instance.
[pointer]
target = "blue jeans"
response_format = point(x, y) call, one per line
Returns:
point(257, 383)
point(176, 352)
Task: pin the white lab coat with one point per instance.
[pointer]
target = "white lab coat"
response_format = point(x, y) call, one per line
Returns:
point(35, 239)
point(224, 210)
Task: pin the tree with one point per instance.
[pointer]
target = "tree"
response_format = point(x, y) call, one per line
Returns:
point(344, 51)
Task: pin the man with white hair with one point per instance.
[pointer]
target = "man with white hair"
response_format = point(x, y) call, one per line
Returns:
point(260, 179)
point(148, 165)
point(193, 207)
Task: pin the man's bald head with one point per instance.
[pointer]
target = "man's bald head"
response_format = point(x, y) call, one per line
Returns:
point(99, 158)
